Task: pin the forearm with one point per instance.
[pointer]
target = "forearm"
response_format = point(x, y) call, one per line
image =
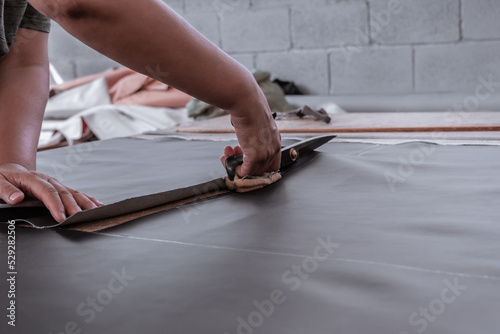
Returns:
point(24, 90)
point(150, 38)
point(23, 96)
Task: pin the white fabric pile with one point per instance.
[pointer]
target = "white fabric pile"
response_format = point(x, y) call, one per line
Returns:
point(76, 115)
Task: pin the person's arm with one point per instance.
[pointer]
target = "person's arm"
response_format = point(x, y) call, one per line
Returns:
point(149, 37)
point(24, 89)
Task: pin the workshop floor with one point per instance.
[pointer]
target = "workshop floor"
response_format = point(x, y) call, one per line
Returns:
point(364, 238)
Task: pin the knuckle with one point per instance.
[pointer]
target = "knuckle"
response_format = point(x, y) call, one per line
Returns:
point(49, 190)
point(5, 188)
point(64, 192)
point(261, 157)
point(52, 180)
point(276, 150)
point(35, 174)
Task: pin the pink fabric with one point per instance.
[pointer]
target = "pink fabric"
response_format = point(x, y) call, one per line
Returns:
point(129, 87)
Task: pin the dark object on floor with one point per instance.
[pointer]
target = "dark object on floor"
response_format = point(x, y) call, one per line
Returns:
point(430, 122)
point(200, 110)
point(290, 154)
point(307, 112)
point(288, 87)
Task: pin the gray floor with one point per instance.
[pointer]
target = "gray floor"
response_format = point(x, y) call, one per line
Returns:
point(365, 238)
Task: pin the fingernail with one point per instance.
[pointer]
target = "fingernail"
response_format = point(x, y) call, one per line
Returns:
point(63, 215)
point(15, 196)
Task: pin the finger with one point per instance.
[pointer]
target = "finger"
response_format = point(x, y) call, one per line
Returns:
point(276, 164)
point(84, 201)
point(259, 166)
point(250, 166)
point(228, 151)
point(9, 193)
point(238, 172)
point(48, 194)
point(237, 150)
point(95, 200)
point(70, 204)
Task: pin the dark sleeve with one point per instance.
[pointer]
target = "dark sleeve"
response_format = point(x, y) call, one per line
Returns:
point(34, 20)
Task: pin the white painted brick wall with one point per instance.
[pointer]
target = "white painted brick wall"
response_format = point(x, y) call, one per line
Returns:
point(328, 25)
point(263, 30)
point(338, 47)
point(216, 6)
point(177, 5)
point(207, 24)
point(481, 19)
point(71, 57)
point(377, 70)
point(247, 60)
point(309, 69)
point(457, 67)
point(282, 3)
point(415, 21)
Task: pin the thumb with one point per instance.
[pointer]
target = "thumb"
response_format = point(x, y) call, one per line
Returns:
point(10, 194)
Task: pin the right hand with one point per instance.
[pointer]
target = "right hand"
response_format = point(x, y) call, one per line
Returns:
point(17, 183)
point(259, 141)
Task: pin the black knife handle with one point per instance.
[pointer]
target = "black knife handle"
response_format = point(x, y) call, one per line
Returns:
point(231, 164)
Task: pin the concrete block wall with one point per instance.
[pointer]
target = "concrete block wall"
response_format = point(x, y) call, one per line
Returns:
point(339, 47)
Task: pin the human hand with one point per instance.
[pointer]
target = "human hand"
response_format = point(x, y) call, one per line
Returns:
point(260, 143)
point(229, 152)
point(17, 183)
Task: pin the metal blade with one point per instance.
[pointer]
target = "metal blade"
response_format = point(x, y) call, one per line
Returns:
point(290, 154)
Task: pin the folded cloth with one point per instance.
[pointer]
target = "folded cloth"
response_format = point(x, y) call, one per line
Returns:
point(111, 121)
point(131, 88)
point(251, 183)
point(201, 111)
point(274, 95)
point(72, 101)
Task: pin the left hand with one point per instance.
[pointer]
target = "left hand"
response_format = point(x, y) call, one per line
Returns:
point(17, 183)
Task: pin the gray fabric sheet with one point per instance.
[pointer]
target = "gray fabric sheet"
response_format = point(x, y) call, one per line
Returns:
point(129, 175)
point(420, 257)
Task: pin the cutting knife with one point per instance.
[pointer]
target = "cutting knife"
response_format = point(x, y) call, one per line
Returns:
point(289, 154)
